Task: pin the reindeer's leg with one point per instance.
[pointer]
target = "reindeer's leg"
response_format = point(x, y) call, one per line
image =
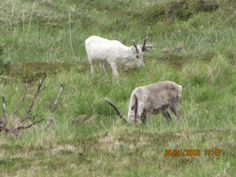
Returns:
point(91, 64)
point(114, 70)
point(141, 112)
point(137, 119)
point(102, 66)
point(144, 116)
point(167, 116)
point(91, 69)
point(175, 110)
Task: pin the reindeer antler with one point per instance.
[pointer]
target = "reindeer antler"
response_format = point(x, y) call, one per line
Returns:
point(144, 48)
point(137, 51)
point(117, 111)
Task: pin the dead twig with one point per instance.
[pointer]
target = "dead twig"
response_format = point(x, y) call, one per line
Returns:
point(26, 87)
point(35, 112)
point(30, 125)
point(4, 108)
point(55, 103)
point(35, 96)
point(2, 121)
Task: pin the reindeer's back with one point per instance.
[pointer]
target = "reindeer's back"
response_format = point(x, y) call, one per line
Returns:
point(159, 94)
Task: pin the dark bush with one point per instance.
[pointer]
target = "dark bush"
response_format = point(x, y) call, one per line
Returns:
point(5, 66)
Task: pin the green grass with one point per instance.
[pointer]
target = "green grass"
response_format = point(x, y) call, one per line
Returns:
point(86, 138)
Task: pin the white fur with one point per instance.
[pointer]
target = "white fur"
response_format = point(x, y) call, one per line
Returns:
point(112, 52)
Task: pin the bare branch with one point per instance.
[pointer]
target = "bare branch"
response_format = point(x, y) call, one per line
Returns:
point(15, 130)
point(35, 112)
point(26, 87)
point(2, 120)
point(35, 96)
point(55, 103)
point(3, 127)
point(30, 125)
point(4, 107)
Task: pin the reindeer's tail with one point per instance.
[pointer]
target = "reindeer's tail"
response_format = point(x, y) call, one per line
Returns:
point(117, 111)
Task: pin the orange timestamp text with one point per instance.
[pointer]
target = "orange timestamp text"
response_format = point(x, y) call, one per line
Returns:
point(191, 152)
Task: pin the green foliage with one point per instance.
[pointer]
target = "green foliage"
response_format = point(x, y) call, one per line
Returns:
point(194, 45)
point(5, 66)
point(182, 10)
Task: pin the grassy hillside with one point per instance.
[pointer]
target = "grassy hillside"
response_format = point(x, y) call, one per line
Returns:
point(194, 45)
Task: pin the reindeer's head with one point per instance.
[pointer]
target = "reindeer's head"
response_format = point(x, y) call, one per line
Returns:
point(138, 51)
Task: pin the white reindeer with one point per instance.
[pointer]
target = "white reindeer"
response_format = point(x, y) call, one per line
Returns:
point(112, 52)
point(153, 99)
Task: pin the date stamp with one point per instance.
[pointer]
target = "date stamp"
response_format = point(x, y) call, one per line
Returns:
point(191, 152)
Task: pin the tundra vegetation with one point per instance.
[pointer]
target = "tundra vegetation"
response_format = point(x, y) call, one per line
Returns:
point(194, 46)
